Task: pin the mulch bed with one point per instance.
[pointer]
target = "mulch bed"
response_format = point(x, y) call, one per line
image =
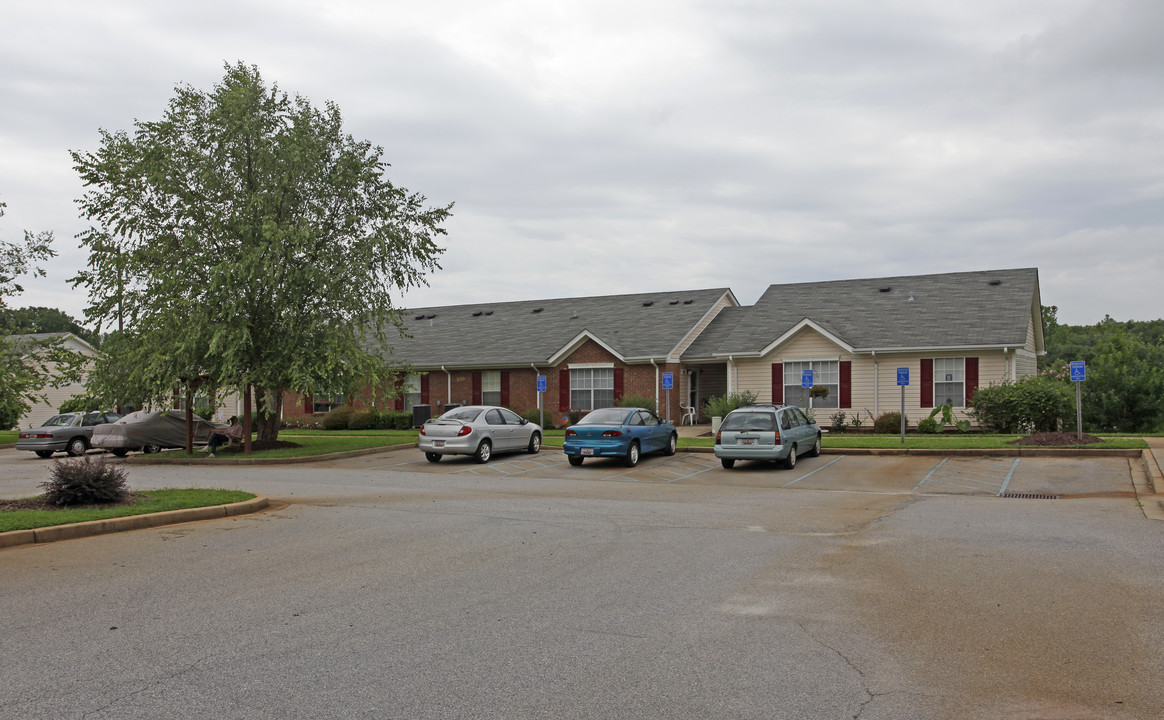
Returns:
point(1053, 439)
point(40, 503)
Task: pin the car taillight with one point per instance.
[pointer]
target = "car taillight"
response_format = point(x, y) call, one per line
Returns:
point(35, 436)
point(465, 430)
point(612, 433)
point(717, 436)
point(776, 440)
point(422, 429)
point(571, 433)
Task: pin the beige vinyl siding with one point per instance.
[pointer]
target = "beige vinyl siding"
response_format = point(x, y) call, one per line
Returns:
point(808, 344)
point(724, 302)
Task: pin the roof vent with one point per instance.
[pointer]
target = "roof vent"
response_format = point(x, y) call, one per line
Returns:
point(488, 312)
point(884, 288)
point(419, 317)
point(430, 317)
point(477, 314)
point(538, 310)
point(995, 282)
point(673, 302)
point(648, 303)
point(574, 316)
point(910, 296)
point(688, 302)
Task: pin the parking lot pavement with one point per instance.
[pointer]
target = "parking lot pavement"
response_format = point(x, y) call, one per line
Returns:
point(894, 474)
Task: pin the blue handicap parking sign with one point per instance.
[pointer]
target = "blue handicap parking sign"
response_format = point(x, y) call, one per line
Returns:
point(903, 376)
point(1078, 371)
point(806, 379)
point(541, 383)
point(668, 380)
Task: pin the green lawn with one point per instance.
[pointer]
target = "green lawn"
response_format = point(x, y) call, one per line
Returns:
point(154, 501)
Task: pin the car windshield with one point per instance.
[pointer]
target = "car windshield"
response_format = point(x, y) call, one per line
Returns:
point(744, 421)
point(606, 416)
point(61, 420)
point(462, 414)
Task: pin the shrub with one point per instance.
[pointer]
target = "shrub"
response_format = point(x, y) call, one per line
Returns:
point(721, 406)
point(888, 423)
point(929, 426)
point(1031, 404)
point(364, 420)
point(535, 416)
point(85, 482)
point(838, 421)
point(396, 420)
point(638, 401)
point(338, 418)
point(576, 415)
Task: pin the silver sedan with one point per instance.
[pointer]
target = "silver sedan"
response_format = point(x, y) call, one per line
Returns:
point(480, 431)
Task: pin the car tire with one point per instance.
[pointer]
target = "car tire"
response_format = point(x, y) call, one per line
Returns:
point(119, 452)
point(151, 449)
point(632, 454)
point(46, 454)
point(432, 457)
point(672, 445)
point(77, 447)
point(535, 444)
point(575, 460)
point(727, 463)
point(815, 451)
point(790, 461)
point(484, 452)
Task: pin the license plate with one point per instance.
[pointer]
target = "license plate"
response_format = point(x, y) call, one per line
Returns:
point(438, 443)
point(747, 442)
point(587, 451)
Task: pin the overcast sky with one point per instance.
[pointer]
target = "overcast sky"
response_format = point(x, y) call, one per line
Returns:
point(607, 146)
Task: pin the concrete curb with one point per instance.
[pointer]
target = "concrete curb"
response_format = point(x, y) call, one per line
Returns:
point(148, 459)
point(56, 533)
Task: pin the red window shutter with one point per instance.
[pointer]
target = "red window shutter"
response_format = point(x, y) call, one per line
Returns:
point(971, 378)
point(777, 382)
point(399, 393)
point(846, 384)
point(476, 387)
point(308, 404)
point(424, 389)
point(927, 382)
point(505, 388)
point(564, 389)
point(618, 384)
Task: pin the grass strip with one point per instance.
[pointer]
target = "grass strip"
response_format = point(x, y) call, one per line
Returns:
point(147, 501)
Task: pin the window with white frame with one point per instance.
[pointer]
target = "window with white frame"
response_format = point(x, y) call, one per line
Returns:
point(950, 382)
point(591, 388)
point(326, 402)
point(411, 390)
point(825, 374)
point(491, 387)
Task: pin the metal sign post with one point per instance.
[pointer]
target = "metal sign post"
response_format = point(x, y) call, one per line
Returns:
point(806, 383)
point(668, 384)
point(541, 408)
point(1078, 375)
point(903, 381)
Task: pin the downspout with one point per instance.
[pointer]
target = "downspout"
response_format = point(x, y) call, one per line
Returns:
point(731, 364)
point(449, 386)
point(656, 366)
point(1006, 376)
point(876, 385)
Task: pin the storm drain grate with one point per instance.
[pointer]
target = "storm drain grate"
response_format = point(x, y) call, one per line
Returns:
point(1030, 496)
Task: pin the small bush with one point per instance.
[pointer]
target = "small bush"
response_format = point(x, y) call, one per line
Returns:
point(838, 421)
point(364, 420)
point(929, 426)
point(535, 416)
point(638, 401)
point(396, 420)
point(888, 423)
point(576, 415)
point(338, 418)
point(721, 406)
point(1032, 404)
point(85, 482)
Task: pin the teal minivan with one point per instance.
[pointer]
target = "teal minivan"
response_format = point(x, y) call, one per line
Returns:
point(767, 433)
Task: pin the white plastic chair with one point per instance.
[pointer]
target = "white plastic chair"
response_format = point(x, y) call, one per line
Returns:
point(688, 414)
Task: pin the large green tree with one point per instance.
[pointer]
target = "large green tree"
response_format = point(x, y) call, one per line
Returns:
point(245, 238)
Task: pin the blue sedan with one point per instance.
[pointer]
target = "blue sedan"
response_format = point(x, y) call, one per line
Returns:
point(619, 432)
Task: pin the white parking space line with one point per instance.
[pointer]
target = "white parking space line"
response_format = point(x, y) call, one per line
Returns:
point(978, 475)
point(810, 474)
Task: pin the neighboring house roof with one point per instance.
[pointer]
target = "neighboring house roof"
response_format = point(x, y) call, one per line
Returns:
point(638, 326)
point(71, 341)
point(992, 308)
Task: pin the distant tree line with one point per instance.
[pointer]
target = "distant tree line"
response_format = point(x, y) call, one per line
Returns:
point(1124, 389)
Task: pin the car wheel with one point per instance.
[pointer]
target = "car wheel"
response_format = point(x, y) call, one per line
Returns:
point(46, 454)
point(432, 457)
point(815, 451)
point(790, 461)
point(119, 452)
point(150, 449)
point(484, 452)
point(77, 447)
point(672, 444)
point(575, 460)
point(727, 463)
point(535, 443)
point(632, 454)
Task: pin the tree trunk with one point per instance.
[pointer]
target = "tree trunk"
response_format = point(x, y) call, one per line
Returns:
point(268, 414)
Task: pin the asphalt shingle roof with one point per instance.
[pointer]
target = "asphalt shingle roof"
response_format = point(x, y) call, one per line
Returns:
point(518, 333)
point(965, 309)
